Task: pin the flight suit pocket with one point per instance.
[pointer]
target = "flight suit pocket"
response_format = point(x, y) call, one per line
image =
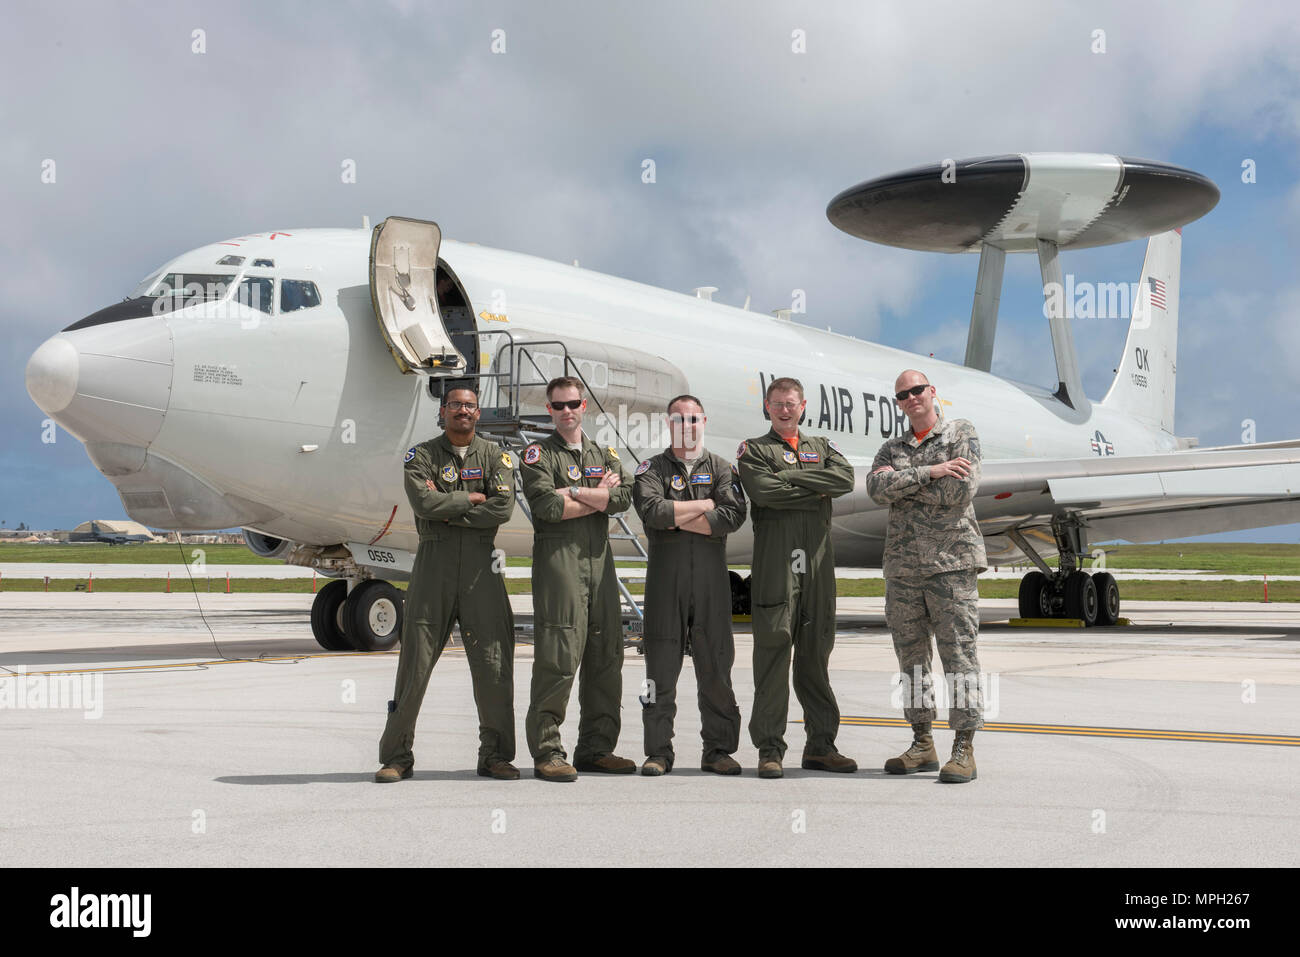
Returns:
point(772, 623)
point(555, 649)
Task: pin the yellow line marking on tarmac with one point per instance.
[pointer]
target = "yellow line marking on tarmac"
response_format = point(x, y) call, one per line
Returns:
point(1154, 734)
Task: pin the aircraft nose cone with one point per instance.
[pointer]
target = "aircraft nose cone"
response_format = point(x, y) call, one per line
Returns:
point(52, 374)
point(106, 383)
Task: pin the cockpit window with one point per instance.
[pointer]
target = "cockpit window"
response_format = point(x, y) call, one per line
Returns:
point(298, 294)
point(192, 287)
point(231, 261)
point(256, 293)
point(145, 284)
point(268, 263)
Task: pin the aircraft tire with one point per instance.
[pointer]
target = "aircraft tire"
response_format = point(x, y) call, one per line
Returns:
point(372, 616)
point(326, 618)
point(1032, 589)
point(1107, 598)
point(1081, 598)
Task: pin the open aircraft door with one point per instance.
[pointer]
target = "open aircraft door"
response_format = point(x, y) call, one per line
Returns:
point(404, 292)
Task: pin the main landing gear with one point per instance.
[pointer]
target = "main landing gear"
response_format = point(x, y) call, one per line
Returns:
point(1067, 591)
point(365, 617)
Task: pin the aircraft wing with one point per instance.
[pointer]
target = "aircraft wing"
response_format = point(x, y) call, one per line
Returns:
point(1140, 498)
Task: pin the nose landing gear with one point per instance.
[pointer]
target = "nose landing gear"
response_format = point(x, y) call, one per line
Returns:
point(366, 618)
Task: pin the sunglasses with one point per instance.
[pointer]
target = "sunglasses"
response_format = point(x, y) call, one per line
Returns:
point(915, 390)
point(571, 404)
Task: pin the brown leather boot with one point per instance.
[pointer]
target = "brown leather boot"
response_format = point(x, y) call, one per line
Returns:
point(831, 761)
point(961, 766)
point(921, 756)
point(608, 764)
point(769, 766)
point(392, 773)
point(555, 768)
point(722, 764)
point(501, 770)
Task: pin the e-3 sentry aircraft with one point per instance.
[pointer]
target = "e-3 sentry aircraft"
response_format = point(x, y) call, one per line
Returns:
point(275, 382)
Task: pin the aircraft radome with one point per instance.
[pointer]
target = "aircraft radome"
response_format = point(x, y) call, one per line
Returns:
point(275, 381)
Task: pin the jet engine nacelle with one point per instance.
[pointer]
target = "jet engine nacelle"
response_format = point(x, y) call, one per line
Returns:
point(265, 546)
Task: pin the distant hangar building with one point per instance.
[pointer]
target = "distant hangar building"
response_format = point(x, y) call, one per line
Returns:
point(113, 532)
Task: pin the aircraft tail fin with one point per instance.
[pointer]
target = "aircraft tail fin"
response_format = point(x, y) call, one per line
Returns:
point(1144, 382)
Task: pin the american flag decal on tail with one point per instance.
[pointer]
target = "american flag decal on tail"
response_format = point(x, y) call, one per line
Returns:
point(1157, 292)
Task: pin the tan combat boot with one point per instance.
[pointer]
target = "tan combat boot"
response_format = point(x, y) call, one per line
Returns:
point(392, 773)
point(961, 766)
point(554, 768)
point(656, 765)
point(921, 756)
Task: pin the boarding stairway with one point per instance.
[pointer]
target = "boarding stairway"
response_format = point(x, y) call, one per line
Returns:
point(502, 419)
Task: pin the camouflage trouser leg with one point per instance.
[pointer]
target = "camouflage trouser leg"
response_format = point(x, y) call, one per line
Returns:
point(945, 606)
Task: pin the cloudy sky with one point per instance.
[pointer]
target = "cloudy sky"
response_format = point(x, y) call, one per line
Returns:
point(159, 148)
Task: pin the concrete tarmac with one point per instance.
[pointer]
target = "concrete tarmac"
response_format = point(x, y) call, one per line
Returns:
point(1168, 743)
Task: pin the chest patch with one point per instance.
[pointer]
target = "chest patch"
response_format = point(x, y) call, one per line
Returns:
point(593, 471)
point(677, 482)
point(788, 456)
point(448, 473)
point(467, 474)
point(574, 473)
point(702, 478)
point(809, 457)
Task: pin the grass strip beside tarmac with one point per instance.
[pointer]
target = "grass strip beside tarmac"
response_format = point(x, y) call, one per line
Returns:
point(1230, 558)
point(1136, 590)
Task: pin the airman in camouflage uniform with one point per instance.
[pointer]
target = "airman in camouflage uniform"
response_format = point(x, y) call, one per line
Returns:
point(928, 477)
point(790, 479)
point(459, 502)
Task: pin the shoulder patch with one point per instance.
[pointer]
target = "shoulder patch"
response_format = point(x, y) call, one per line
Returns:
point(410, 454)
point(643, 467)
point(612, 454)
point(834, 448)
point(740, 452)
point(532, 454)
point(507, 461)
